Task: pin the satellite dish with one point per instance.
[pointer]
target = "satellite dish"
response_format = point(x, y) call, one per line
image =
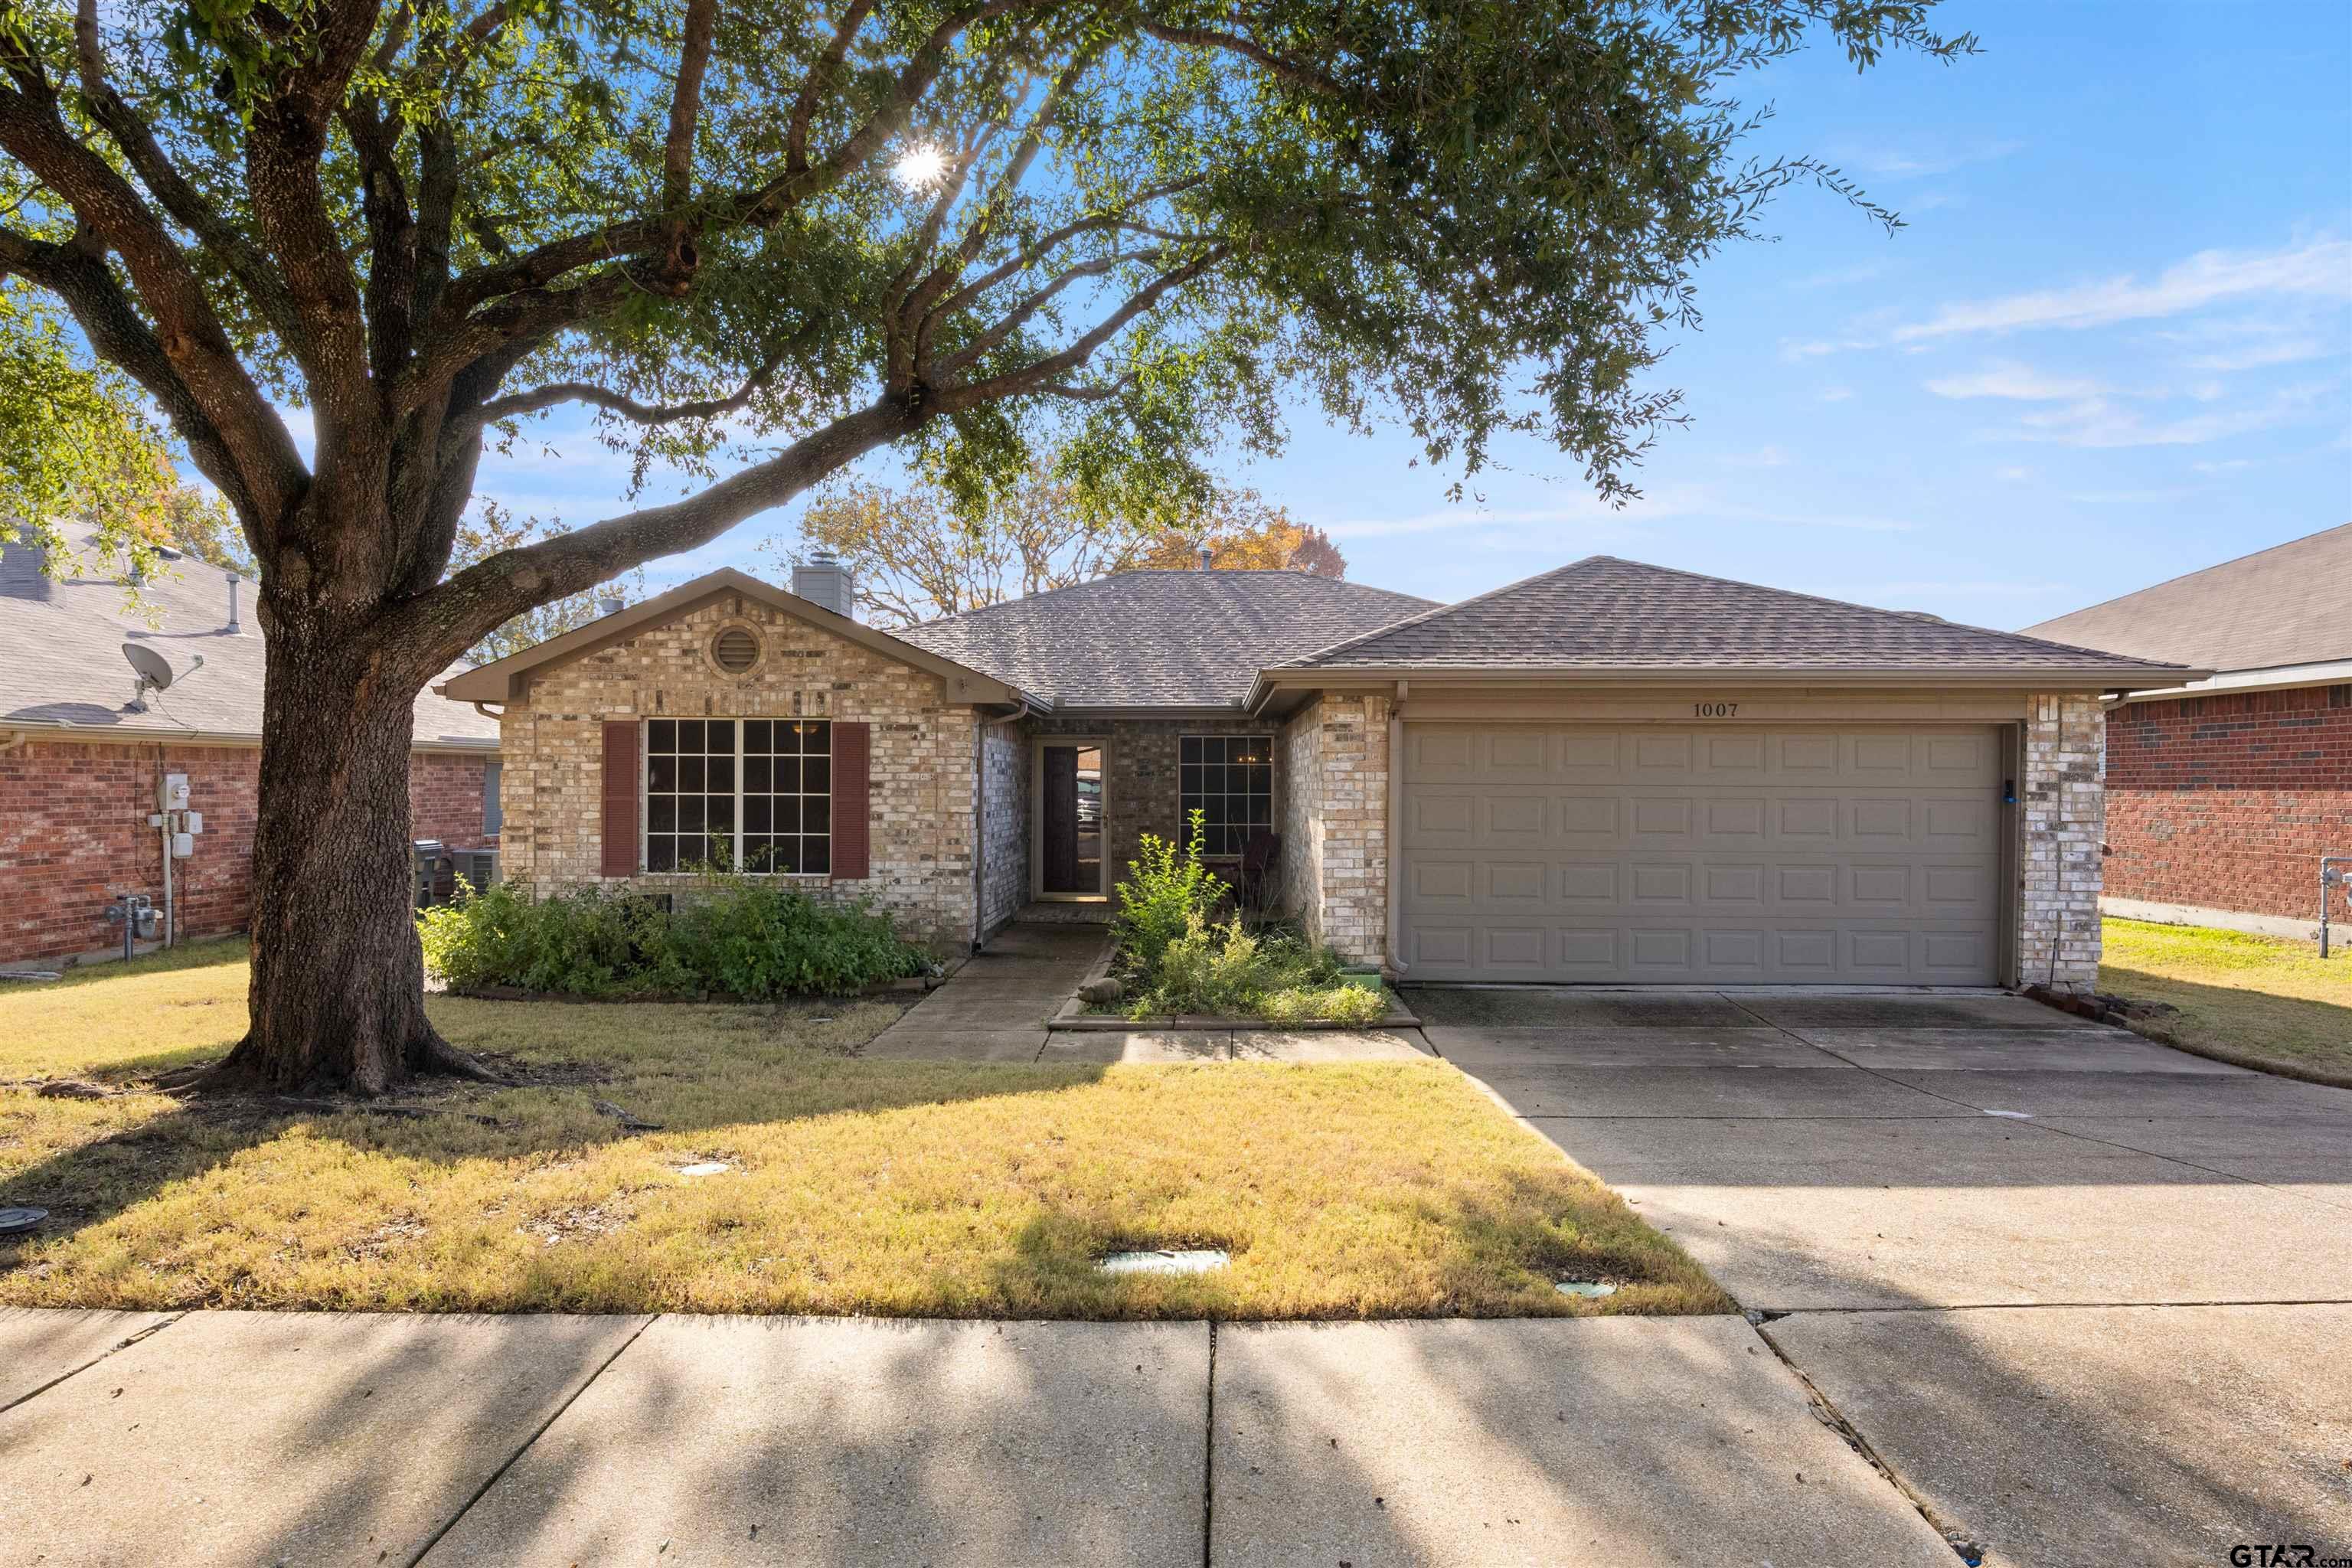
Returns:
point(154, 672)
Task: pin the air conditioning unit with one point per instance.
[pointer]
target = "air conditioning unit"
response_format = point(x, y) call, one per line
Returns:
point(433, 873)
point(480, 868)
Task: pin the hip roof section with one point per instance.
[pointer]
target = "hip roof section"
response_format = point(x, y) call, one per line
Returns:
point(63, 668)
point(1602, 615)
point(2285, 606)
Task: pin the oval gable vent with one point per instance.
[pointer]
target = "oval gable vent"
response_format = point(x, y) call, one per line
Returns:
point(735, 650)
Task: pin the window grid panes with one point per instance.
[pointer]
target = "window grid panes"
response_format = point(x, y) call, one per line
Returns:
point(1229, 779)
point(752, 792)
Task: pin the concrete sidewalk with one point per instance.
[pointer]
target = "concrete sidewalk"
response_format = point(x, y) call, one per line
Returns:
point(318, 1438)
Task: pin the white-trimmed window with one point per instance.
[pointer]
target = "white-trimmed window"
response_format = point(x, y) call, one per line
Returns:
point(755, 793)
point(1229, 779)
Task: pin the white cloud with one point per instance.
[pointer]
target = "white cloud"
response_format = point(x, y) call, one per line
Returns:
point(1835, 393)
point(2097, 421)
point(2257, 355)
point(1891, 164)
point(1601, 524)
point(2322, 268)
point(2124, 498)
point(2227, 466)
point(2013, 474)
point(2010, 379)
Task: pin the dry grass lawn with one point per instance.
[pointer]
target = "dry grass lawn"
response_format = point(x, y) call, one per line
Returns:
point(2278, 1001)
point(851, 1187)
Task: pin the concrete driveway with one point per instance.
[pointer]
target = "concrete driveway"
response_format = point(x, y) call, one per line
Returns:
point(2085, 1296)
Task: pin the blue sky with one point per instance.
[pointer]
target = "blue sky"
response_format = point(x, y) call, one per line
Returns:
point(2114, 344)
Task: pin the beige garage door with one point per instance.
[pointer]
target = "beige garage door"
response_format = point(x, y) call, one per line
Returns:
point(1711, 855)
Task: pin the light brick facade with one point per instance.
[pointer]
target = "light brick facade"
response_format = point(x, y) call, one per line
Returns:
point(924, 764)
point(1334, 754)
point(2227, 802)
point(2062, 817)
point(74, 836)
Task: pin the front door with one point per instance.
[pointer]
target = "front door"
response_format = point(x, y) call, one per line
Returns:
point(1070, 825)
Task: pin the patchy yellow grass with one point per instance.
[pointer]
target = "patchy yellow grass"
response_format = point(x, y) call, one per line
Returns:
point(2268, 998)
point(907, 1188)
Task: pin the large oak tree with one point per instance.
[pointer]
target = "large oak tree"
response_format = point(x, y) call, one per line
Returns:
point(761, 238)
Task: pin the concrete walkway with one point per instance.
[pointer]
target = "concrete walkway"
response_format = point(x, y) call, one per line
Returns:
point(994, 1009)
point(324, 1438)
point(2085, 1295)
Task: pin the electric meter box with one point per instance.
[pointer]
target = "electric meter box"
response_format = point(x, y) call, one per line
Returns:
point(176, 791)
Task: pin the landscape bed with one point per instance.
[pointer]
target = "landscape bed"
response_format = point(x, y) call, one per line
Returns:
point(841, 1184)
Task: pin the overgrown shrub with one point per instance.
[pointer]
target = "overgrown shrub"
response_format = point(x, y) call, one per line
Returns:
point(1166, 890)
point(731, 934)
point(1229, 971)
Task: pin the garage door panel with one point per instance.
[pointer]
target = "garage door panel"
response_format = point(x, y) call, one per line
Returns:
point(1663, 753)
point(1589, 818)
point(1588, 882)
point(1698, 855)
point(1514, 817)
point(1655, 883)
point(1436, 818)
point(1735, 819)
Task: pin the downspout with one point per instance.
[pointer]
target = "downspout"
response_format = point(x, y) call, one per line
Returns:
point(15, 739)
point(1389, 879)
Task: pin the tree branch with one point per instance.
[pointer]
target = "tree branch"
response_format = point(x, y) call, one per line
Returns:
point(1040, 374)
point(820, 77)
point(454, 616)
point(629, 408)
point(1295, 72)
point(268, 472)
point(182, 200)
point(685, 103)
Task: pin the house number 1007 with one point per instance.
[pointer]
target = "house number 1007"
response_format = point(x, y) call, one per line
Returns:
point(1715, 710)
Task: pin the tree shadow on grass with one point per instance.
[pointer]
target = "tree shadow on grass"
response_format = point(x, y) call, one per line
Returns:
point(2262, 1023)
point(449, 1123)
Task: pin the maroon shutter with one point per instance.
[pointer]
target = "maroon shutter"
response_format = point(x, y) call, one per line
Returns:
point(620, 857)
point(853, 771)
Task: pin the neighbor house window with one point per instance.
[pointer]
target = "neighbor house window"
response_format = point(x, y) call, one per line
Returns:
point(755, 793)
point(1229, 780)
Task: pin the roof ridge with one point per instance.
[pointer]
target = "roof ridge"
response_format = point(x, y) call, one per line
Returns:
point(1348, 582)
point(1435, 611)
point(2199, 572)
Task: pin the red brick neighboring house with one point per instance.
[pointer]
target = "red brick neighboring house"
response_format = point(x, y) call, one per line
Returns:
point(80, 766)
point(2222, 795)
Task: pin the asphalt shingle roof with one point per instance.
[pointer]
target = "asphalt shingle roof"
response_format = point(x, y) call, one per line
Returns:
point(1601, 613)
point(1160, 638)
point(2283, 606)
point(61, 663)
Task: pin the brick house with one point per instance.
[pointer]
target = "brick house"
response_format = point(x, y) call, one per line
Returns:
point(2224, 793)
point(81, 764)
point(1609, 773)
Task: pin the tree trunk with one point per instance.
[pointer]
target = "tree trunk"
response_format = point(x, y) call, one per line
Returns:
point(337, 1001)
